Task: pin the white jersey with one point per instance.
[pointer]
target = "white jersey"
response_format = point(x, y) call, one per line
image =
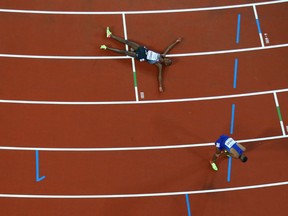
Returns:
point(152, 57)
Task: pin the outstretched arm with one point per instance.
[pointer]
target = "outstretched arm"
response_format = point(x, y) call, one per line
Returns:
point(171, 46)
point(160, 80)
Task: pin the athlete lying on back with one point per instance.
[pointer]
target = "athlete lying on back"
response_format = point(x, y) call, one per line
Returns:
point(143, 54)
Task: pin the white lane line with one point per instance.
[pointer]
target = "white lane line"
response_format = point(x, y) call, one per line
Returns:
point(127, 57)
point(132, 59)
point(258, 26)
point(136, 148)
point(142, 101)
point(64, 57)
point(143, 195)
point(228, 51)
point(140, 12)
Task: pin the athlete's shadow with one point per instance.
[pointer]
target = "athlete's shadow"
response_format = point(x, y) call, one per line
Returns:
point(253, 146)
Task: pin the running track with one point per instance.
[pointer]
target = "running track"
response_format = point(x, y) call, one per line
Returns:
point(85, 132)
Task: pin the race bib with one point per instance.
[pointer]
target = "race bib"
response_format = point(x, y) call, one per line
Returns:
point(229, 142)
point(152, 55)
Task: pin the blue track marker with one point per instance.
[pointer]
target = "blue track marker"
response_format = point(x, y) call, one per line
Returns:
point(258, 26)
point(231, 132)
point(38, 178)
point(238, 29)
point(229, 169)
point(232, 119)
point(235, 73)
point(188, 205)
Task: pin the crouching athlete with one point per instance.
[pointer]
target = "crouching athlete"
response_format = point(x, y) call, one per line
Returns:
point(228, 146)
point(142, 53)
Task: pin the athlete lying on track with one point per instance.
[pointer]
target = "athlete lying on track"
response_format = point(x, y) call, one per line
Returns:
point(229, 147)
point(143, 54)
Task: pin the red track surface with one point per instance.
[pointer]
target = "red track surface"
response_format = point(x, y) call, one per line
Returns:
point(151, 122)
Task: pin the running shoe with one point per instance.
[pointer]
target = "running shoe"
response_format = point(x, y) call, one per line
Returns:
point(104, 47)
point(108, 32)
point(214, 166)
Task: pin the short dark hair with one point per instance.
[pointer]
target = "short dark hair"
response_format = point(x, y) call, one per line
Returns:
point(243, 158)
point(167, 61)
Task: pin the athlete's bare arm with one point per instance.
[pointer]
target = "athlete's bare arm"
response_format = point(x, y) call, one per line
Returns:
point(168, 49)
point(160, 78)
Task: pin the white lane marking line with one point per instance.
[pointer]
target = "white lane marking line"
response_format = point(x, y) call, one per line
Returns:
point(127, 57)
point(136, 148)
point(258, 26)
point(132, 59)
point(142, 102)
point(140, 12)
point(143, 195)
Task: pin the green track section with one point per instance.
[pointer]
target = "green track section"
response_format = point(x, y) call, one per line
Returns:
point(279, 113)
point(135, 79)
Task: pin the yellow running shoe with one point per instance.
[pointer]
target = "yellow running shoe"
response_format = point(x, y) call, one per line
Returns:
point(108, 32)
point(104, 47)
point(214, 166)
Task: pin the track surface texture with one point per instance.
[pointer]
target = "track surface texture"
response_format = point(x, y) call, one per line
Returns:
point(85, 131)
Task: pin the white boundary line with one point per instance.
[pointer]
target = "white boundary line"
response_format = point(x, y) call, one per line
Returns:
point(135, 148)
point(140, 12)
point(132, 59)
point(144, 195)
point(143, 101)
point(127, 57)
point(258, 26)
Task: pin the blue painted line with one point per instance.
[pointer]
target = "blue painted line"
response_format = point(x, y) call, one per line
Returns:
point(38, 178)
point(235, 73)
point(229, 169)
point(258, 25)
point(188, 205)
point(238, 29)
point(232, 119)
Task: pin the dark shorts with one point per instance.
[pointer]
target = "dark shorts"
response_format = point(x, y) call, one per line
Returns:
point(141, 53)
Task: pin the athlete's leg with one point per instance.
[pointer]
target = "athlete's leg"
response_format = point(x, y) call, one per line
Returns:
point(131, 54)
point(131, 44)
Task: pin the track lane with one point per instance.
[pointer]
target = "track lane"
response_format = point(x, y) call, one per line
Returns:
point(162, 171)
point(55, 34)
point(91, 80)
point(136, 125)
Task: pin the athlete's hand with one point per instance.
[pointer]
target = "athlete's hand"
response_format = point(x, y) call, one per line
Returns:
point(161, 89)
point(179, 40)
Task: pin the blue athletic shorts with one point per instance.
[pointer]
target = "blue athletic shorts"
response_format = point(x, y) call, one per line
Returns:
point(141, 53)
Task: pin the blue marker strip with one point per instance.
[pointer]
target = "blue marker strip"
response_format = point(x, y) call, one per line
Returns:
point(229, 169)
point(235, 72)
point(38, 178)
point(258, 25)
point(238, 29)
point(232, 119)
point(188, 205)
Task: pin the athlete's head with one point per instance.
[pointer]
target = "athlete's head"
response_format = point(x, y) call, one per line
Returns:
point(243, 158)
point(167, 61)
